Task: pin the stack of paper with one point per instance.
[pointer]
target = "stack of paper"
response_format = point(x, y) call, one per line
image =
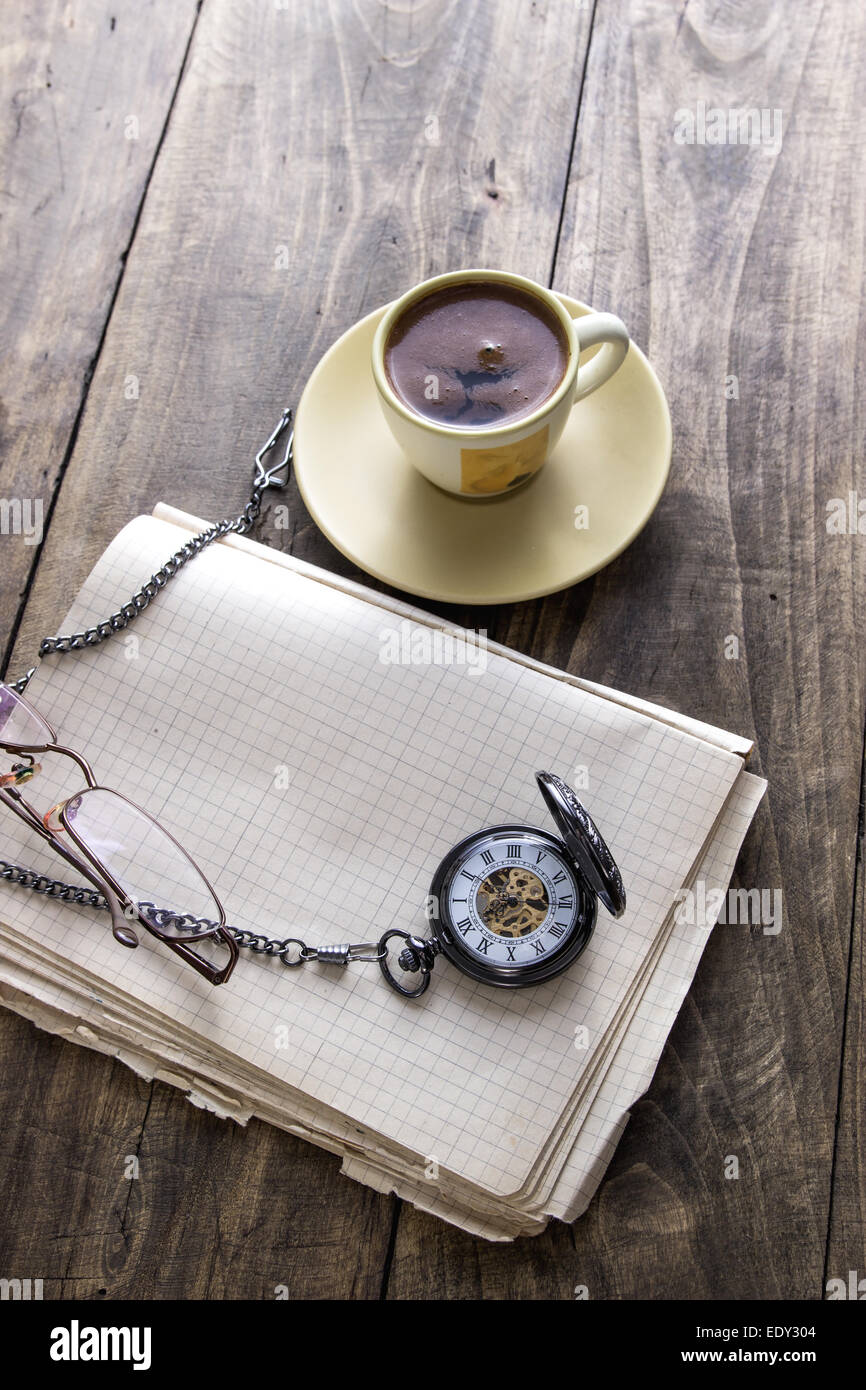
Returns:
point(318, 748)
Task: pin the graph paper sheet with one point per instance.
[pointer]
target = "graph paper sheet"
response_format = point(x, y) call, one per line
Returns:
point(84, 1020)
point(84, 1017)
point(258, 711)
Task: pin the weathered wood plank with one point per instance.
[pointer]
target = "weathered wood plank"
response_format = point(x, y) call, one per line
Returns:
point(720, 266)
point(123, 1190)
point(726, 260)
point(87, 89)
point(376, 145)
point(749, 263)
point(846, 1246)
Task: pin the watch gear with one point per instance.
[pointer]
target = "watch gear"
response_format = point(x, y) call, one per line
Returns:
point(512, 902)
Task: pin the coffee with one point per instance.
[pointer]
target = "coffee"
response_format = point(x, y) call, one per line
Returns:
point(476, 355)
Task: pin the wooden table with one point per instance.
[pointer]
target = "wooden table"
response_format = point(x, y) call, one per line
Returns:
point(197, 199)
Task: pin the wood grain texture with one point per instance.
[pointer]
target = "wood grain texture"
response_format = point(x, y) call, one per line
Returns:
point(377, 146)
point(212, 1210)
point(726, 260)
point(747, 263)
point(848, 1207)
point(86, 91)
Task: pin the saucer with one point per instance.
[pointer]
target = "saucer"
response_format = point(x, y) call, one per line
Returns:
point(612, 460)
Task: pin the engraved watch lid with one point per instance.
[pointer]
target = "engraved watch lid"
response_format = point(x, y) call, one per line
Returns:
point(583, 841)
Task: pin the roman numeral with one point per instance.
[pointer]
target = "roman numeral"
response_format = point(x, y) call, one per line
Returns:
point(514, 851)
point(510, 950)
point(542, 854)
point(484, 946)
point(464, 925)
point(466, 874)
point(559, 878)
point(487, 856)
point(567, 901)
point(538, 947)
point(557, 930)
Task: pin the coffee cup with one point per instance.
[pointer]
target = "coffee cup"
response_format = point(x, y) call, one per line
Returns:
point(477, 372)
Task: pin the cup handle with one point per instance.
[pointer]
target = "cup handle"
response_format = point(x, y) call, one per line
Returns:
point(612, 332)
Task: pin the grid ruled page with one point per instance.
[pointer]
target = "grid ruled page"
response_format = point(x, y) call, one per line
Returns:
point(261, 717)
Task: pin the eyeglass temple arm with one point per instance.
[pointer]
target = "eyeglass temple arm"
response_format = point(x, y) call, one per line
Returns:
point(210, 972)
point(12, 798)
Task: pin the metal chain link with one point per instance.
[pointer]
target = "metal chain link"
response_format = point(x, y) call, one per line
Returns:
point(51, 887)
point(274, 476)
point(89, 897)
point(277, 475)
point(291, 951)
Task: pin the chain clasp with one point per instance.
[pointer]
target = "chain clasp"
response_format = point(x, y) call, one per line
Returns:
point(277, 475)
point(345, 952)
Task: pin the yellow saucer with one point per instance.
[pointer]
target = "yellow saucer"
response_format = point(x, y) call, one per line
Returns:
point(366, 497)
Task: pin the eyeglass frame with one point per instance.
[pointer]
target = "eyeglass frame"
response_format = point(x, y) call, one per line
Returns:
point(91, 867)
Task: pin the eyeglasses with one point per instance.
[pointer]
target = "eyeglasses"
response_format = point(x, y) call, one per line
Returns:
point(142, 871)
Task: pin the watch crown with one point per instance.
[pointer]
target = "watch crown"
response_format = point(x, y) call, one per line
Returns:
point(417, 954)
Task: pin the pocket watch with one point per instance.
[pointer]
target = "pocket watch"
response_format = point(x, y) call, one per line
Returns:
point(511, 905)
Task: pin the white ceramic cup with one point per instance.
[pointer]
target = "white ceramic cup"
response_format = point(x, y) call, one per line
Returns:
point(492, 461)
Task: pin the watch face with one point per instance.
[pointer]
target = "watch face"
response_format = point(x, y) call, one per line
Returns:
point(512, 906)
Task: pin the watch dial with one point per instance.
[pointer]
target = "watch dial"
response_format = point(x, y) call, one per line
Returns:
point(511, 900)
